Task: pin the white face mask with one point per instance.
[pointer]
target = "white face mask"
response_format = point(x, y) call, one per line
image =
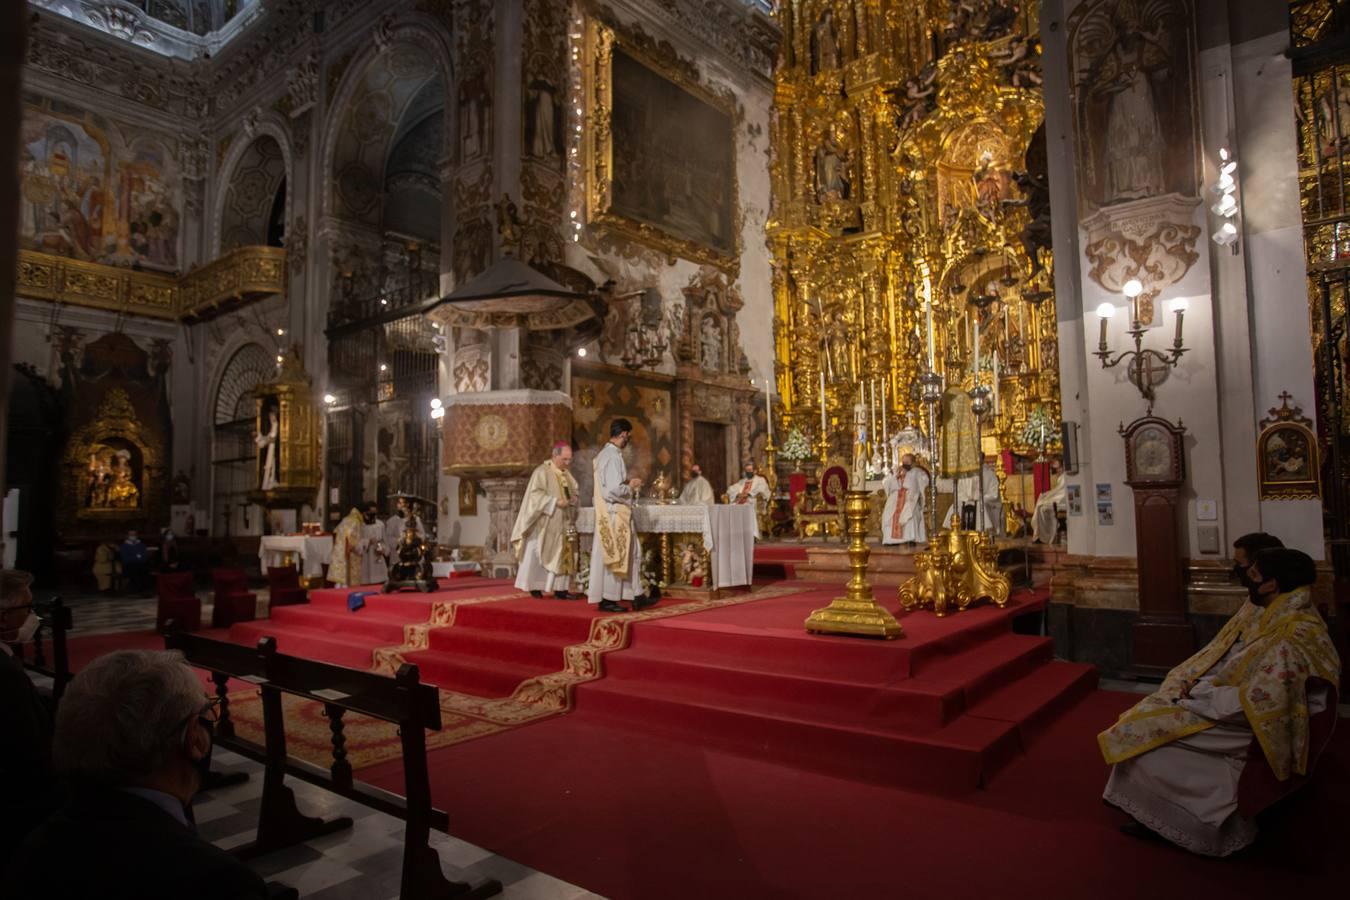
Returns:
point(28, 629)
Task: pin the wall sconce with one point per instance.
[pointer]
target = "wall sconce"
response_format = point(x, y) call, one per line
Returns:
point(1147, 368)
point(437, 408)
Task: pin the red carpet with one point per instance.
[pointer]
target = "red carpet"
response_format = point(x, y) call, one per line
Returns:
point(631, 815)
point(778, 560)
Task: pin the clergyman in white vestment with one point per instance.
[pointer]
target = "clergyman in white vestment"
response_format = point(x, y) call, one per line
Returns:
point(751, 485)
point(373, 567)
point(902, 517)
point(697, 490)
point(539, 537)
point(616, 557)
point(1044, 523)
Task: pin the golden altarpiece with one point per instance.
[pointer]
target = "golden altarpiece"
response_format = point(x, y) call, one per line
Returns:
point(910, 225)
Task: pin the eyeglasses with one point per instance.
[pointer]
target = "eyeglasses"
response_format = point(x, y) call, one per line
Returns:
point(208, 715)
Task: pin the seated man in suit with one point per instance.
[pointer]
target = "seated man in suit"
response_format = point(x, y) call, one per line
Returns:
point(133, 734)
point(26, 786)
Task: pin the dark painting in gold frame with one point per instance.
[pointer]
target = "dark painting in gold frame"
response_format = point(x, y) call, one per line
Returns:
point(660, 149)
point(468, 497)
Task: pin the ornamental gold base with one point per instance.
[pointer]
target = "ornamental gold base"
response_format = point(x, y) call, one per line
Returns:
point(958, 569)
point(857, 612)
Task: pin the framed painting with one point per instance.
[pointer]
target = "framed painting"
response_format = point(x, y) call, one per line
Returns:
point(468, 497)
point(1287, 457)
point(660, 151)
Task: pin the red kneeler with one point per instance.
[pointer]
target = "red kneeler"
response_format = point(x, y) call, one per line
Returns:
point(234, 602)
point(177, 603)
point(284, 586)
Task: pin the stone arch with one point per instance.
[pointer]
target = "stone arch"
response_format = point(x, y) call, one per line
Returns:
point(239, 160)
point(249, 365)
point(359, 132)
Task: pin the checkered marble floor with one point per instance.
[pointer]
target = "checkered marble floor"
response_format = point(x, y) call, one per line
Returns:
point(360, 863)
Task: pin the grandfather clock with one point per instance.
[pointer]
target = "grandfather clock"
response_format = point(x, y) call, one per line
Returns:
point(1155, 469)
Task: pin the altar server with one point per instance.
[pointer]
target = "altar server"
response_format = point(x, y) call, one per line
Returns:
point(1234, 727)
point(539, 537)
point(394, 525)
point(616, 557)
point(697, 490)
point(902, 517)
point(373, 566)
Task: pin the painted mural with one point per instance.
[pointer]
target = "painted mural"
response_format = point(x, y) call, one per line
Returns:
point(95, 192)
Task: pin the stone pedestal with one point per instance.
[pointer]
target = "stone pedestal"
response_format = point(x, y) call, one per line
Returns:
point(504, 496)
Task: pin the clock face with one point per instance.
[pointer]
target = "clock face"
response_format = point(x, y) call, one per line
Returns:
point(1152, 454)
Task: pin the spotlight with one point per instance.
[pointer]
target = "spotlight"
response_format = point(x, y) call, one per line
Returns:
point(329, 399)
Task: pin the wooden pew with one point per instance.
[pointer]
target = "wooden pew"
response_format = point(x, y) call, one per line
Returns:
point(403, 700)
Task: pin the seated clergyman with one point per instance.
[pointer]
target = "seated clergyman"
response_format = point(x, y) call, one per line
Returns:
point(751, 486)
point(697, 490)
point(1231, 728)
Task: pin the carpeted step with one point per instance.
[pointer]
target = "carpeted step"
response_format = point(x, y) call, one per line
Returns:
point(1035, 699)
point(537, 654)
point(314, 643)
point(978, 671)
point(379, 629)
point(408, 606)
point(479, 676)
point(902, 706)
point(568, 621)
point(956, 758)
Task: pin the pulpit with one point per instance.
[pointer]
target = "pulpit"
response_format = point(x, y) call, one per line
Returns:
point(286, 435)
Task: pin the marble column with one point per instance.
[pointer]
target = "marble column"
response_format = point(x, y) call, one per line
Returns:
point(504, 496)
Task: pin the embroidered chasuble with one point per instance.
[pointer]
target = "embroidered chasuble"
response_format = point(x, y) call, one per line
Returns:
point(540, 519)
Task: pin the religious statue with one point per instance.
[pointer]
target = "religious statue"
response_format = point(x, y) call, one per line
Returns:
point(267, 451)
point(831, 171)
point(508, 223)
point(123, 494)
point(542, 138)
point(824, 44)
point(694, 564)
point(1133, 144)
point(710, 341)
point(412, 563)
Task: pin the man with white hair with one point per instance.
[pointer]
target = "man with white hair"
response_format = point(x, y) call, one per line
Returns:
point(26, 735)
point(133, 735)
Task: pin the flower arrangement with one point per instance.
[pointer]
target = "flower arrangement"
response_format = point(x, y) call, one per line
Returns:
point(795, 446)
point(1040, 429)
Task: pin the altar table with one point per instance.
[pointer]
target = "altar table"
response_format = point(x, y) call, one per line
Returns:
point(279, 550)
point(726, 533)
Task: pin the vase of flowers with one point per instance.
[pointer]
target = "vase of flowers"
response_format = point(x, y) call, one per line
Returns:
point(795, 448)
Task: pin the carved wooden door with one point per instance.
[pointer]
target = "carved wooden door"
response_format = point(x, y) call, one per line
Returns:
point(710, 452)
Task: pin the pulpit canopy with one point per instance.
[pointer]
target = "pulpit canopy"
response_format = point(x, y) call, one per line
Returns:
point(513, 294)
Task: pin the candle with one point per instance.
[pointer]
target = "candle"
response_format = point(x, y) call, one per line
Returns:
point(885, 428)
point(975, 355)
point(996, 382)
point(932, 357)
point(823, 426)
point(768, 405)
point(872, 390)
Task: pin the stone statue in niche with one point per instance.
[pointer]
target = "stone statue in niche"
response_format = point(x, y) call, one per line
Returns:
point(1134, 139)
point(710, 340)
point(542, 120)
point(832, 181)
point(824, 44)
point(473, 110)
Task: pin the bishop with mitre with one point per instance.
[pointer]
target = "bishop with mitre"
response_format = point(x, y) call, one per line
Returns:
point(539, 537)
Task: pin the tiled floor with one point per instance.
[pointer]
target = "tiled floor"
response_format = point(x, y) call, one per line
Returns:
point(361, 863)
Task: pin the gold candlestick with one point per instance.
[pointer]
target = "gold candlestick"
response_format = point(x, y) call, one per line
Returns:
point(857, 612)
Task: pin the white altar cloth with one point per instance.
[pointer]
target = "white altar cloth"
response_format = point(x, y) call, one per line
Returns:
point(728, 529)
point(314, 552)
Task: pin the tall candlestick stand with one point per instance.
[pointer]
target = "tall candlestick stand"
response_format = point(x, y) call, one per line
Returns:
point(930, 383)
point(979, 406)
point(857, 612)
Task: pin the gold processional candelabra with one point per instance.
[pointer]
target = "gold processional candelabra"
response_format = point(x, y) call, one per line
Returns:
point(959, 567)
point(1147, 367)
point(857, 612)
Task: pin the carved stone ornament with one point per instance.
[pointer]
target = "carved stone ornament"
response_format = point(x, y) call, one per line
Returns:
point(193, 153)
point(250, 122)
point(383, 35)
point(303, 83)
point(119, 19)
point(1151, 240)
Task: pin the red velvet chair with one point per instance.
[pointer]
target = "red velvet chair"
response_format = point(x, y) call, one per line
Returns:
point(234, 602)
point(178, 603)
point(284, 586)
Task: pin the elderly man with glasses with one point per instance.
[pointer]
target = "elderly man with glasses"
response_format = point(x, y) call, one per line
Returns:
point(133, 737)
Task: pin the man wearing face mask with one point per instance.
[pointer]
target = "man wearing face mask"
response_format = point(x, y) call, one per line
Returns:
point(697, 491)
point(373, 567)
point(133, 735)
point(1245, 549)
point(26, 733)
point(1234, 727)
point(750, 489)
